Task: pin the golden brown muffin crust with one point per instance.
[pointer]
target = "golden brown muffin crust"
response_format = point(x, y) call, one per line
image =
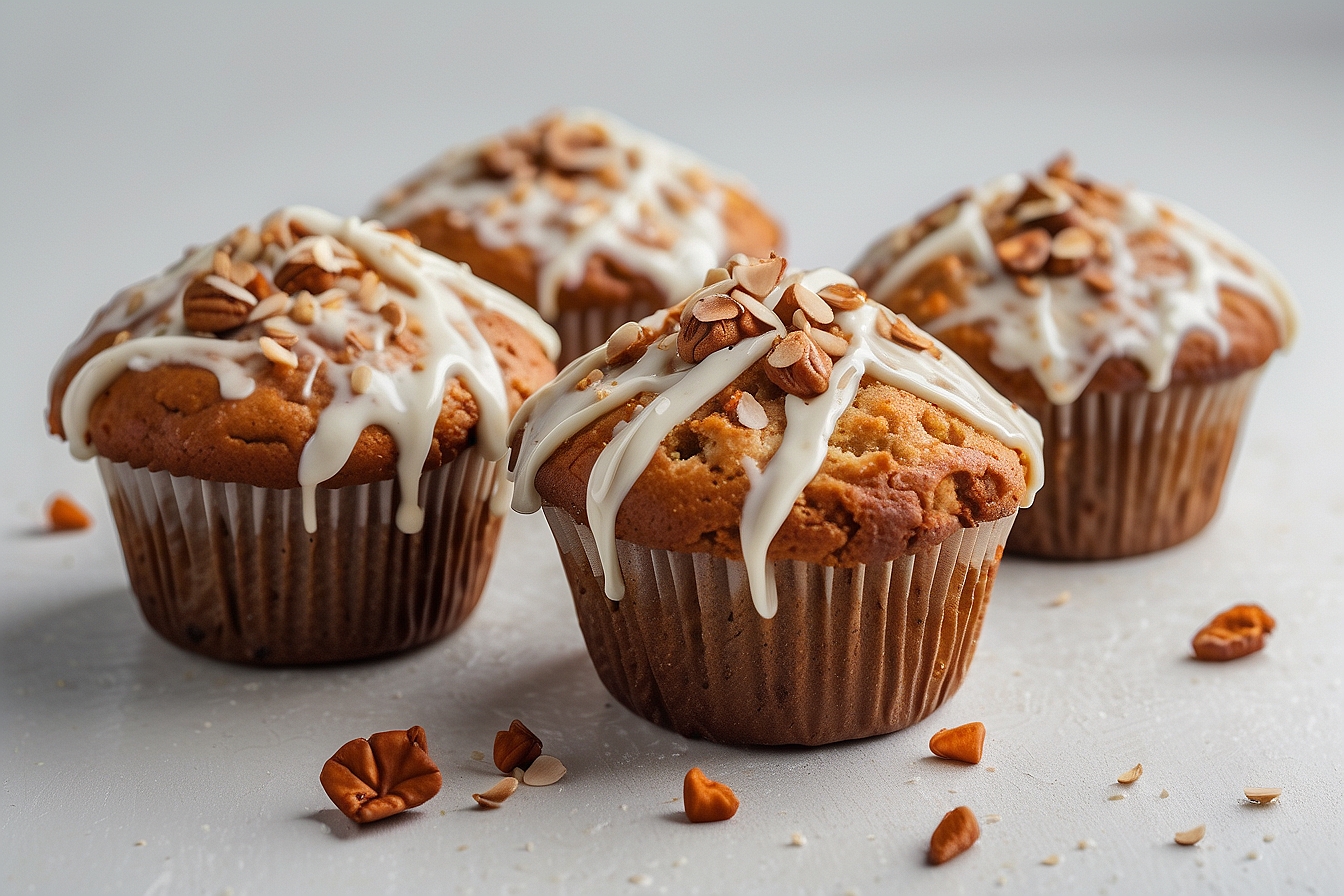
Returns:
point(900, 474)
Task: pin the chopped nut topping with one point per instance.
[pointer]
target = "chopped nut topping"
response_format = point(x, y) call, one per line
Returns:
point(810, 303)
point(903, 334)
point(627, 345)
point(1025, 253)
point(1029, 286)
point(386, 774)
point(832, 344)
point(1233, 633)
point(515, 748)
point(361, 379)
point(213, 304)
point(544, 771)
point(760, 276)
point(705, 800)
point(304, 310)
point(121, 337)
point(495, 796)
point(278, 354)
point(715, 275)
point(712, 323)
point(221, 264)
point(1130, 776)
point(395, 315)
point(64, 515)
point(1061, 167)
point(715, 308)
point(283, 336)
point(843, 297)
point(1190, 837)
point(593, 377)
point(748, 410)
point(1263, 795)
point(965, 743)
point(1098, 280)
point(135, 302)
point(798, 366)
point(955, 834)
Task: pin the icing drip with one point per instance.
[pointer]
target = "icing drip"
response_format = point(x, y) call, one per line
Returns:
point(577, 398)
point(652, 206)
point(1066, 332)
point(405, 399)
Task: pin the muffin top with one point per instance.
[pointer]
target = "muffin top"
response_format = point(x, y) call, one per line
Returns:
point(769, 417)
point(1058, 284)
point(318, 351)
point(581, 209)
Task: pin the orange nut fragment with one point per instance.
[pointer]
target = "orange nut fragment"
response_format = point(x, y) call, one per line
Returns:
point(964, 743)
point(516, 748)
point(64, 515)
point(1233, 633)
point(707, 800)
point(954, 835)
point(386, 774)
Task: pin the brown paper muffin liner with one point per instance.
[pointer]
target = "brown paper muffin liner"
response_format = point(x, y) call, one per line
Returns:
point(1129, 473)
point(582, 330)
point(852, 652)
point(227, 569)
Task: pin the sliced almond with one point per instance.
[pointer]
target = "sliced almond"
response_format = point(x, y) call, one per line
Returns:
point(1263, 795)
point(1073, 243)
point(1190, 837)
point(283, 336)
point(271, 306)
point(751, 415)
point(1131, 776)
point(277, 353)
point(715, 308)
point(831, 344)
point(843, 297)
point(324, 257)
point(715, 275)
point(495, 796)
point(626, 335)
point(546, 770)
point(304, 310)
point(811, 304)
point(761, 277)
point(221, 263)
point(1098, 280)
point(786, 353)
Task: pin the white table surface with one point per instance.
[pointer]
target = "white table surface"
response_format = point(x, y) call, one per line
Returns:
point(126, 135)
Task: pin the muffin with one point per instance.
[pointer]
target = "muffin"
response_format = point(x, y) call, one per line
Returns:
point(1132, 328)
point(779, 506)
point(588, 219)
point(299, 430)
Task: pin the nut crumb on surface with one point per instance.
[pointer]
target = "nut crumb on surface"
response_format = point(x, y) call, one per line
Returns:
point(1087, 844)
point(797, 839)
point(477, 755)
point(1115, 797)
point(1130, 776)
point(1263, 795)
point(1164, 794)
point(993, 819)
point(1061, 599)
point(641, 880)
point(138, 843)
point(1053, 859)
point(65, 515)
point(1190, 837)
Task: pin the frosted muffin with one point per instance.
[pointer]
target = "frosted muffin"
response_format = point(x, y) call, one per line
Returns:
point(779, 506)
point(1131, 327)
point(585, 217)
point(299, 431)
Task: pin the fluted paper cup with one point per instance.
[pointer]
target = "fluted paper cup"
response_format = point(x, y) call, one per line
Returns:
point(583, 329)
point(1128, 473)
point(228, 570)
point(852, 651)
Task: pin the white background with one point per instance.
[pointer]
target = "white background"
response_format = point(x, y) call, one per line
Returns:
point(125, 135)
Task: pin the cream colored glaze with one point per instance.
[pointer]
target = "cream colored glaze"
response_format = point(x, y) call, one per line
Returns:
point(559, 410)
point(1064, 335)
point(404, 401)
point(563, 234)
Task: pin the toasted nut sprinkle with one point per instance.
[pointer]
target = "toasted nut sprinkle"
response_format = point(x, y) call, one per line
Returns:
point(231, 289)
point(515, 748)
point(1115, 797)
point(903, 334)
point(64, 515)
point(715, 275)
point(706, 800)
point(221, 263)
point(1061, 599)
point(1263, 795)
point(1073, 243)
point(761, 276)
point(1026, 252)
point(955, 834)
point(797, 839)
point(1031, 287)
point(304, 310)
point(546, 770)
point(361, 379)
point(1130, 776)
point(121, 337)
point(843, 297)
point(594, 376)
point(749, 411)
point(271, 306)
point(1164, 794)
point(831, 344)
point(324, 257)
point(811, 304)
point(1233, 633)
point(395, 315)
point(1190, 837)
point(477, 755)
point(965, 743)
point(714, 308)
point(332, 299)
point(283, 337)
point(1052, 859)
point(1098, 280)
point(277, 353)
point(495, 796)
point(627, 345)
point(789, 351)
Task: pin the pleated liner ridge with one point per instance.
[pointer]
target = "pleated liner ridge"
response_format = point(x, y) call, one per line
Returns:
point(852, 651)
point(228, 570)
point(1129, 473)
point(582, 329)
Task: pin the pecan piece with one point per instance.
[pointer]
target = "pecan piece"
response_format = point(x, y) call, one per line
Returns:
point(798, 366)
point(214, 304)
point(516, 748)
point(1025, 253)
point(304, 275)
point(386, 774)
point(713, 322)
point(955, 834)
point(707, 800)
point(965, 743)
point(1233, 633)
point(1069, 251)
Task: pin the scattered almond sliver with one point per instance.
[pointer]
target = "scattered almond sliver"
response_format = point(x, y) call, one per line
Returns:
point(495, 796)
point(546, 770)
point(1263, 795)
point(1131, 776)
point(1190, 837)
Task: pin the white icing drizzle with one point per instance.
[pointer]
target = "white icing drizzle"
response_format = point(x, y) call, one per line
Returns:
point(404, 399)
point(1066, 333)
point(601, 217)
point(560, 410)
